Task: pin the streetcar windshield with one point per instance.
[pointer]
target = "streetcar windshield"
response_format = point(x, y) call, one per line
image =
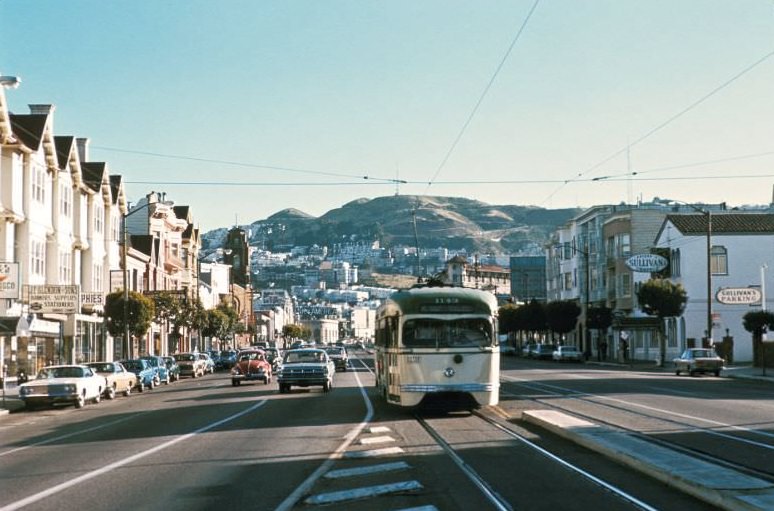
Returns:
point(439, 333)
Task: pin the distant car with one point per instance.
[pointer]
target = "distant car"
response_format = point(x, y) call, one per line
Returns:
point(145, 372)
point(295, 345)
point(567, 354)
point(117, 378)
point(526, 350)
point(209, 364)
point(507, 348)
point(226, 360)
point(274, 356)
point(698, 360)
point(251, 365)
point(543, 351)
point(339, 357)
point(72, 384)
point(172, 367)
point(160, 366)
point(190, 364)
point(304, 368)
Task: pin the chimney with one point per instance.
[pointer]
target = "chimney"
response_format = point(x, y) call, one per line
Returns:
point(83, 148)
point(42, 109)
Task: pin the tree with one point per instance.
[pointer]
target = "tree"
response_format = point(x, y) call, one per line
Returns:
point(532, 317)
point(600, 319)
point(139, 314)
point(562, 316)
point(664, 299)
point(756, 322)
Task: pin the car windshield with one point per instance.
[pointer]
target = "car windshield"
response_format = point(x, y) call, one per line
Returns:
point(102, 368)
point(60, 372)
point(301, 357)
point(185, 357)
point(251, 355)
point(432, 333)
point(133, 365)
point(152, 361)
point(703, 354)
point(336, 352)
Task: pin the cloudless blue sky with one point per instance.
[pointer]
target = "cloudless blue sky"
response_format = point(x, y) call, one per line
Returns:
point(312, 95)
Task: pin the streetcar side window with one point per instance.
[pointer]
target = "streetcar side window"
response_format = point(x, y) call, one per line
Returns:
point(387, 332)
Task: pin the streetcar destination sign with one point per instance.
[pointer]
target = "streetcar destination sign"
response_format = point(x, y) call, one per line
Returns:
point(647, 263)
point(738, 295)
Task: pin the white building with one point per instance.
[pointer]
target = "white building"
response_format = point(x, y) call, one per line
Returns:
point(741, 243)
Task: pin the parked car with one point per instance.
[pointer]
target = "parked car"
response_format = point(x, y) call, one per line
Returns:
point(251, 365)
point(209, 364)
point(117, 378)
point(567, 354)
point(304, 368)
point(226, 360)
point(76, 384)
point(339, 357)
point(190, 364)
point(698, 360)
point(507, 347)
point(527, 349)
point(172, 367)
point(160, 366)
point(146, 374)
point(542, 351)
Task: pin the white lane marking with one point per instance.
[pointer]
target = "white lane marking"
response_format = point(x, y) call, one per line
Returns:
point(131, 459)
point(379, 429)
point(76, 433)
point(364, 492)
point(373, 453)
point(373, 469)
point(376, 440)
point(306, 486)
point(578, 395)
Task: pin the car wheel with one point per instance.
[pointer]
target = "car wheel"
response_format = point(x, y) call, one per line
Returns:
point(717, 373)
point(141, 387)
point(677, 372)
point(80, 402)
point(235, 383)
point(111, 392)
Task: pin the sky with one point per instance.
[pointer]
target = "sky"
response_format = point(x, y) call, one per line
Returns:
point(243, 108)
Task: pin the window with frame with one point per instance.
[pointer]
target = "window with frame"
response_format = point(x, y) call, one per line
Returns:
point(38, 258)
point(626, 284)
point(39, 184)
point(65, 200)
point(624, 244)
point(99, 217)
point(567, 281)
point(65, 267)
point(674, 263)
point(97, 278)
point(719, 260)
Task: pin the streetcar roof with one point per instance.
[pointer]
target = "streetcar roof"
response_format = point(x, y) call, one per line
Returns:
point(442, 300)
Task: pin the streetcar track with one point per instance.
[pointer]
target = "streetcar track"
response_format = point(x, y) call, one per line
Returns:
point(584, 397)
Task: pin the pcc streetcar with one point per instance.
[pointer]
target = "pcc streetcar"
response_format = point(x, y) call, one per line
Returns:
point(440, 342)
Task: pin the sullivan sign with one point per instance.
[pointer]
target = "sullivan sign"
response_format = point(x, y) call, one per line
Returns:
point(647, 263)
point(738, 295)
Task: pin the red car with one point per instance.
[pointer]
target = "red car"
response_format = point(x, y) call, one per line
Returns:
point(251, 365)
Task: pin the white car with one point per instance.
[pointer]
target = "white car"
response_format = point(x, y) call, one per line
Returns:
point(567, 353)
point(74, 384)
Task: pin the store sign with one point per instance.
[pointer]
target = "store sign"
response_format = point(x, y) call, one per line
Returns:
point(54, 299)
point(647, 263)
point(738, 295)
point(9, 280)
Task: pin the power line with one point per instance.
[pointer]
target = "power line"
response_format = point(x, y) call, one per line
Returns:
point(668, 121)
point(483, 94)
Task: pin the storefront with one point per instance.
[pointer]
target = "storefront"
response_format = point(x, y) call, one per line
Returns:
point(29, 343)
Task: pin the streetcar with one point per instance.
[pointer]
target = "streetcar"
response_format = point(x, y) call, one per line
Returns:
point(439, 344)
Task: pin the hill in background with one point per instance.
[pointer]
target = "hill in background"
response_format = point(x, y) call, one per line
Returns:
point(451, 222)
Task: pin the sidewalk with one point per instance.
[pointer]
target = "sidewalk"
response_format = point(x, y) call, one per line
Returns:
point(740, 371)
